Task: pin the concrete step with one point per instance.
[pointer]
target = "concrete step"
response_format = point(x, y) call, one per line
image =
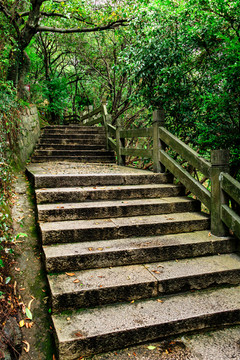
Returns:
point(63, 141)
point(95, 193)
point(116, 208)
point(110, 327)
point(74, 136)
point(74, 126)
point(82, 159)
point(72, 129)
point(133, 282)
point(45, 146)
point(129, 251)
point(73, 152)
point(113, 228)
point(93, 179)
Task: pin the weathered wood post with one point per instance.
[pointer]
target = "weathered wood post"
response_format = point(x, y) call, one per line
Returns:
point(120, 143)
point(106, 119)
point(158, 120)
point(220, 163)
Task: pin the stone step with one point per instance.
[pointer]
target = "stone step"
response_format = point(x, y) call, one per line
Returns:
point(68, 129)
point(82, 159)
point(45, 146)
point(113, 228)
point(74, 136)
point(74, 152)
point(95, 287)
point(87, 331)
point(116, 208)
point(93, 179)
point(95, 193)
point(73, 126)
point(57, 141)
point(129, 251)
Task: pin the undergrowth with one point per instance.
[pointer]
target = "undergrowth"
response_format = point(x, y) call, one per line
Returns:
point(9, 127)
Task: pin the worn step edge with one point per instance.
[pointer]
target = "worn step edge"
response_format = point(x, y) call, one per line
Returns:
point(116, 326)
point(73, 152)
point(81, 230)
point(129, 251)
point(126, 283)
point(73, 147)
point(122, 192)
point(115, 208)
point(69, 180)
point(82, 159)
point(41, 141)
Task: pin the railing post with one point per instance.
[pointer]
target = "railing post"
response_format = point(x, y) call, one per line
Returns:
point(220, 163)
point(119, 143)
point(107, 119)
point(158, 120)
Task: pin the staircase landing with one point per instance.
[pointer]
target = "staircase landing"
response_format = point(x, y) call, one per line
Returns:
point(129, 258)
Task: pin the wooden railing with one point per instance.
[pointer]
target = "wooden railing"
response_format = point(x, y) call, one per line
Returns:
point(223, 186)
point(231, 191)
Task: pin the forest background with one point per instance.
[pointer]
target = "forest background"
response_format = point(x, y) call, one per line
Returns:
point(180, 56)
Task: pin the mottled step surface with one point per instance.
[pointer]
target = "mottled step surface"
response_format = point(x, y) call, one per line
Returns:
point(77, 153)
point(43, 180)
point(104, 253)
point(85, 159)
point(119, 325)
point(126, 283)
point(63, 141)
point(94, 193)
point(116, 208)
point(46, 146)
point(113, 228)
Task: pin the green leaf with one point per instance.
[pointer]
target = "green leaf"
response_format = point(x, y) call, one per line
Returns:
point(8, 279)
point(28, 313)
point(151, 347)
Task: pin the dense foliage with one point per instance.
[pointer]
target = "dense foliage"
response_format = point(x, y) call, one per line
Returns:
point(185, 59)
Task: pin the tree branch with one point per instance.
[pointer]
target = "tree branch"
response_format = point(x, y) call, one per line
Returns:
point(82, 30)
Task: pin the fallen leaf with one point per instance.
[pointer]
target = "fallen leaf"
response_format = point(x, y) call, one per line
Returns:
point(134, 354)
point(76, 281)
point(29, 314)
point(132, 302)
point(78, 334)
point(30, 303)
point(209, 234)
point(156, 271)
point(151, 347)
point(100, 249)
point(159, 300)
point(21, 323)
point(70, 274)
point(28, 346)
point(90, 249)
point(68, 318)
point(17, 269)
point(21, 289)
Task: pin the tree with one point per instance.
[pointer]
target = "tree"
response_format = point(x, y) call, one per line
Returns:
point(186, 60)
point(27, 18)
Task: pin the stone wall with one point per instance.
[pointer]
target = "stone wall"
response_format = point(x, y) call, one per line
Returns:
point(29, 133)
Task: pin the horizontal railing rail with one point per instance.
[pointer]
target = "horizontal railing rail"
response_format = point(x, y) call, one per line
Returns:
point(231, 188)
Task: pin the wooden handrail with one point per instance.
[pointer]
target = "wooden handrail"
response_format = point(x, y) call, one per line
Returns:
point(230, 186)
point(185, 151)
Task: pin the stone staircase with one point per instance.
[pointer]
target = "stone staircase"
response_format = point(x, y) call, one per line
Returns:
point(130, 259)
point(73, 143)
